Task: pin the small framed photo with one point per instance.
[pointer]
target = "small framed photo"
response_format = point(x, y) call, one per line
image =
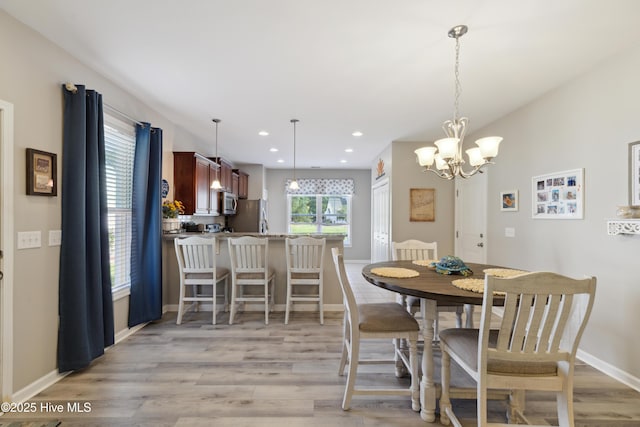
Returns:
point(509, 201)
point(42, 178)
point(634, 173)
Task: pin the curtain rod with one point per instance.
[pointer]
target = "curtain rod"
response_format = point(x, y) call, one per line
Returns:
point(72, 88)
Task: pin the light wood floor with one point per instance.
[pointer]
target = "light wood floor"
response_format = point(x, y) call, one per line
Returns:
point(250, 374)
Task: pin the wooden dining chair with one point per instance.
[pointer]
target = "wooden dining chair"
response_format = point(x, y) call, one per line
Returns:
point(413, 250)
point(198, 270)
point(534, 347)
point(376, 320)
point(250, 269)
point(305, 262)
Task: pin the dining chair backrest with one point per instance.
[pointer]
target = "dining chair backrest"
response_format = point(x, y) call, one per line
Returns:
point(249, 254)
point(196, 255)
point(543, 319)
point(349, 298)
point(305, 255)
point(411, 250)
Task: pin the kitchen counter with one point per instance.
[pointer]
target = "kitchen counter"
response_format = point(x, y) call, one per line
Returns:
point(270, 236)
point(277, 261)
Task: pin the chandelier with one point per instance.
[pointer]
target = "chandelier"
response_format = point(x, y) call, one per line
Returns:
point(447, 153)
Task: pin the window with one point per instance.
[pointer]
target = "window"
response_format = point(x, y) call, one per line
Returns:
point(317, 213)
point(120, 143)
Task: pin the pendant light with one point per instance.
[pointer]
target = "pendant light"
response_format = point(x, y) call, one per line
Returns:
point(215, 185)
point(294, 184)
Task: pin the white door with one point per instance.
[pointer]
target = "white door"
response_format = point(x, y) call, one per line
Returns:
point(471, 218)
point(381, 221)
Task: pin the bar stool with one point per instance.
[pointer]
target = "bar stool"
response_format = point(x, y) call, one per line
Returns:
point(305, 262)
point(250, 268)
point(197, 266)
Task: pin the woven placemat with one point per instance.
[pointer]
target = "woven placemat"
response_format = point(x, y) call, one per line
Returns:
point(503, 272)
point(473, 285)
point(425, 262)
point(395, 272)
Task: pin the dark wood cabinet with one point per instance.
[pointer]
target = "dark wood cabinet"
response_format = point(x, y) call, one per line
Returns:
point(192, 177)
point(235, 181)
point(243, 184)
point(225, 173)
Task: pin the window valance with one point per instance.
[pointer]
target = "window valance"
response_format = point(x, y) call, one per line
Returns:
point(342, 186)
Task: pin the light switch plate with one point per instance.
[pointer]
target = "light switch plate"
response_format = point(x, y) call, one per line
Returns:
point(509, 232)
point(29, 239)
point(55, 237)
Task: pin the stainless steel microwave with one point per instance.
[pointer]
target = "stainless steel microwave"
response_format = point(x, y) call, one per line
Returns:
point(228, 203)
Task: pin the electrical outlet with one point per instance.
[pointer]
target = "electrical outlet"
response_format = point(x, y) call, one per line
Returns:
point(29, 239)
point(55, 237)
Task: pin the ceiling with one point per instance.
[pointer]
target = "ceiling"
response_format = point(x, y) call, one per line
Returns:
point(382, 67)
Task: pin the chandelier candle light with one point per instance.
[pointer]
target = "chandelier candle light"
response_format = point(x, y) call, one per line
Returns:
point(294, 184)
point(215, 185)
point(447, 154)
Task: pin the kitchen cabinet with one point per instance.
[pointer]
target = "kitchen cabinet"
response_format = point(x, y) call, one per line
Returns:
point(243, 184)
point(235, 181)
point(225, 173)
point(192, 177)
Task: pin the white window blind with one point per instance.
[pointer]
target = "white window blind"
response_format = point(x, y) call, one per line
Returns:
point(120, 142)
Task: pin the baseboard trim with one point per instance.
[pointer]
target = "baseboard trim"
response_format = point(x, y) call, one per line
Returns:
point(37, 386)
point(299, 306)
point(610, 370)
point(54, 376)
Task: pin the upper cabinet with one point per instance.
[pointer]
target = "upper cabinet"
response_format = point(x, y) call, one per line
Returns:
point(226, 179)
point(243, 184)
point(192, 176)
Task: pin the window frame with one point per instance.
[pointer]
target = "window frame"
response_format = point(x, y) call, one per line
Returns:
point(348, 241)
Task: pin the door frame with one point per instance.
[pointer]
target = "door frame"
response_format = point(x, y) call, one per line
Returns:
point(6, 244)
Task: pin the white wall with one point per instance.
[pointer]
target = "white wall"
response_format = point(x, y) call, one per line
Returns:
point(360, 204)
point(585, 124)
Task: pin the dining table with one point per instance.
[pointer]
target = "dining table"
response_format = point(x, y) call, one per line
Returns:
point(433, 289)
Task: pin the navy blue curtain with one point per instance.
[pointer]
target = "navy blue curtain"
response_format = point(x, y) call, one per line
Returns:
point(145, 302)
point(85, 301)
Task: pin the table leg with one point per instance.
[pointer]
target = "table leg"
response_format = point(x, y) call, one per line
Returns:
point(427, 386)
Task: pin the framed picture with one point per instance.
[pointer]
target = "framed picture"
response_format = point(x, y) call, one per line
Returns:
point(634, 173)
point(42, 178)
point(422, 204)
point(558, 195)
point(509, 201)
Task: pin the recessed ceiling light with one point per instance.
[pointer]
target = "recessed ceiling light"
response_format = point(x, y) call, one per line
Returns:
point(343, 161)
point(280, 161)
point(348, 150)
point(273, 150)
point(263, 133)
point(357, 133)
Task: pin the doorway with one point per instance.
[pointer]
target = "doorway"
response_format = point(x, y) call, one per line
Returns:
point(471, 218)
point(6, 250)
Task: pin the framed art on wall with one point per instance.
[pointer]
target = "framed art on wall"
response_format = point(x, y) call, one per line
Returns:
point(42, 179)
point(509, 201)
point(422, 204)
point(634, 173)
point(558, 195)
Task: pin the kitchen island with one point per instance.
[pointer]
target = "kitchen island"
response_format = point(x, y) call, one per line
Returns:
point(277, 261)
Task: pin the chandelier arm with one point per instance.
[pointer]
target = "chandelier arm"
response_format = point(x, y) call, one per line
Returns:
point(443, 175)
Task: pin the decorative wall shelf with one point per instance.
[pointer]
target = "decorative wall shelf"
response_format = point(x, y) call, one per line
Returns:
point(623, 226)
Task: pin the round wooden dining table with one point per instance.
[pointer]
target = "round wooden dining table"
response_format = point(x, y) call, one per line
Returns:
point(433, 289)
